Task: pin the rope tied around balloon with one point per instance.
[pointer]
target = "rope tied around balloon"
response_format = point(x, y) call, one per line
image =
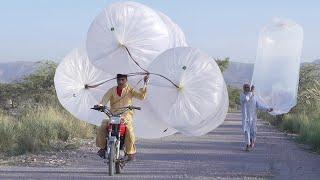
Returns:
point(146, 72)
point(87, 86)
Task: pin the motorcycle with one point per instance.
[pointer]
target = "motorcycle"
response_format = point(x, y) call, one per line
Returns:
point(115, 151)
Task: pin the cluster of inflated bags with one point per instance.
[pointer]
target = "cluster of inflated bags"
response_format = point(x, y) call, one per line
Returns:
point(187, 92)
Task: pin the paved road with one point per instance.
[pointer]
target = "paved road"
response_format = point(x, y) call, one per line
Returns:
point(217, 155)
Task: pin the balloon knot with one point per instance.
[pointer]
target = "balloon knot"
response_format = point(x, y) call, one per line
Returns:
point(86, 86)
point(121, 45)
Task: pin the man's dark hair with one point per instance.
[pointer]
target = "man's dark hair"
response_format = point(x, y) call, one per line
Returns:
point(122, 76)
point(246, 86)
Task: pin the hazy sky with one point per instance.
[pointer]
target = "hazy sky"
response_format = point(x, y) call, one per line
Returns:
point(48, 29)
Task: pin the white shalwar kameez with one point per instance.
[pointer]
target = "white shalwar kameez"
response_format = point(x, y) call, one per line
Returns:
point(249, 106)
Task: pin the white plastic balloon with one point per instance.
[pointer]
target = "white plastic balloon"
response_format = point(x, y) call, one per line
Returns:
point(126, 24)
point(75, 71)
point(208, 125)
point(148, 124)
point(177, 37)
point(199, 104)
point(72, 74)
point(276, 71)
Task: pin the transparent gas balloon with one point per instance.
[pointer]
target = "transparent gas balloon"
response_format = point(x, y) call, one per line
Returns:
point(208, 125)
point(123, 28)
point(176, 35)
point(148, 124)
point(276, 71)
point(198, 105)
point(73, 73)
point(79, 86)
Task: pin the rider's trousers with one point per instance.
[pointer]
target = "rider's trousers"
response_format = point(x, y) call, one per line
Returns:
point(129, 141)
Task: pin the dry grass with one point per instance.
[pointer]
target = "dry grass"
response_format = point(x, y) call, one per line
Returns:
point(37, 129)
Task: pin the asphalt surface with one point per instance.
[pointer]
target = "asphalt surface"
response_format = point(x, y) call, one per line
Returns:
point(217, 155)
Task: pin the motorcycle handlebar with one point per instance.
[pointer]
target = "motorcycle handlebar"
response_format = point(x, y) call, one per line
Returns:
point(101, 108)
point(98, 108)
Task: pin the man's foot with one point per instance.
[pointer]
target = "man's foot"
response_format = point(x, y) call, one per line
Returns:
point(102, 153)
point(252, 145)
point(130, 157)
point(247, 148)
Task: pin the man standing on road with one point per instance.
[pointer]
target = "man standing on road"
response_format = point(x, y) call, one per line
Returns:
point(249, 106)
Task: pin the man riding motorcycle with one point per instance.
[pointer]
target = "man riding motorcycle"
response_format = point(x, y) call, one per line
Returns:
point(121, 96)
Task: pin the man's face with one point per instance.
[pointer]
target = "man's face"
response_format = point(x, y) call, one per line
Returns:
point(121, 81)
point(246, 88)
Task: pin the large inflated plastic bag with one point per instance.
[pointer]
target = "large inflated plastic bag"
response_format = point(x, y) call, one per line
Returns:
point(276, 71)
point(73, 73)
point(209, 124)
point(176, 35)
point(199, 104)
point(148, 124)
point(126, 25)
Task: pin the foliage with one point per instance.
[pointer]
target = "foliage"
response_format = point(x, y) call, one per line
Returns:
point(234, 101)
point(223, 63)
point(38, 129)
point(35, 119)
point(304, 118)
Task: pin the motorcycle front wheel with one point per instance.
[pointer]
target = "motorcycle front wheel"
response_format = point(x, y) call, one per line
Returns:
point(111, 158)
point(118, 168)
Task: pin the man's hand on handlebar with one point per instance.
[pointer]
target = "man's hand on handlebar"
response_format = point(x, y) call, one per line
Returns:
point(98, 107)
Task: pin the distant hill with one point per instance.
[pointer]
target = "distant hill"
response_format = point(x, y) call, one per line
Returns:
point(316, 61)
point(14, 71)
point(238, 73)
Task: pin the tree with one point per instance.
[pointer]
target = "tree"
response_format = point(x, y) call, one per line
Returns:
point(42, 79)
point(34, 89)
point(309, 88)
point(222, 63)
point(234, 98)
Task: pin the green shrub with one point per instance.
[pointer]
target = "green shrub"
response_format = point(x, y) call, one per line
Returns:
point(7, 132)
point(310, 133)
point(38, 128)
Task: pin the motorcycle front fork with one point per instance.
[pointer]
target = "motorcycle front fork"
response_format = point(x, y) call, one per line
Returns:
point(111, 141)
point(118, 149)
